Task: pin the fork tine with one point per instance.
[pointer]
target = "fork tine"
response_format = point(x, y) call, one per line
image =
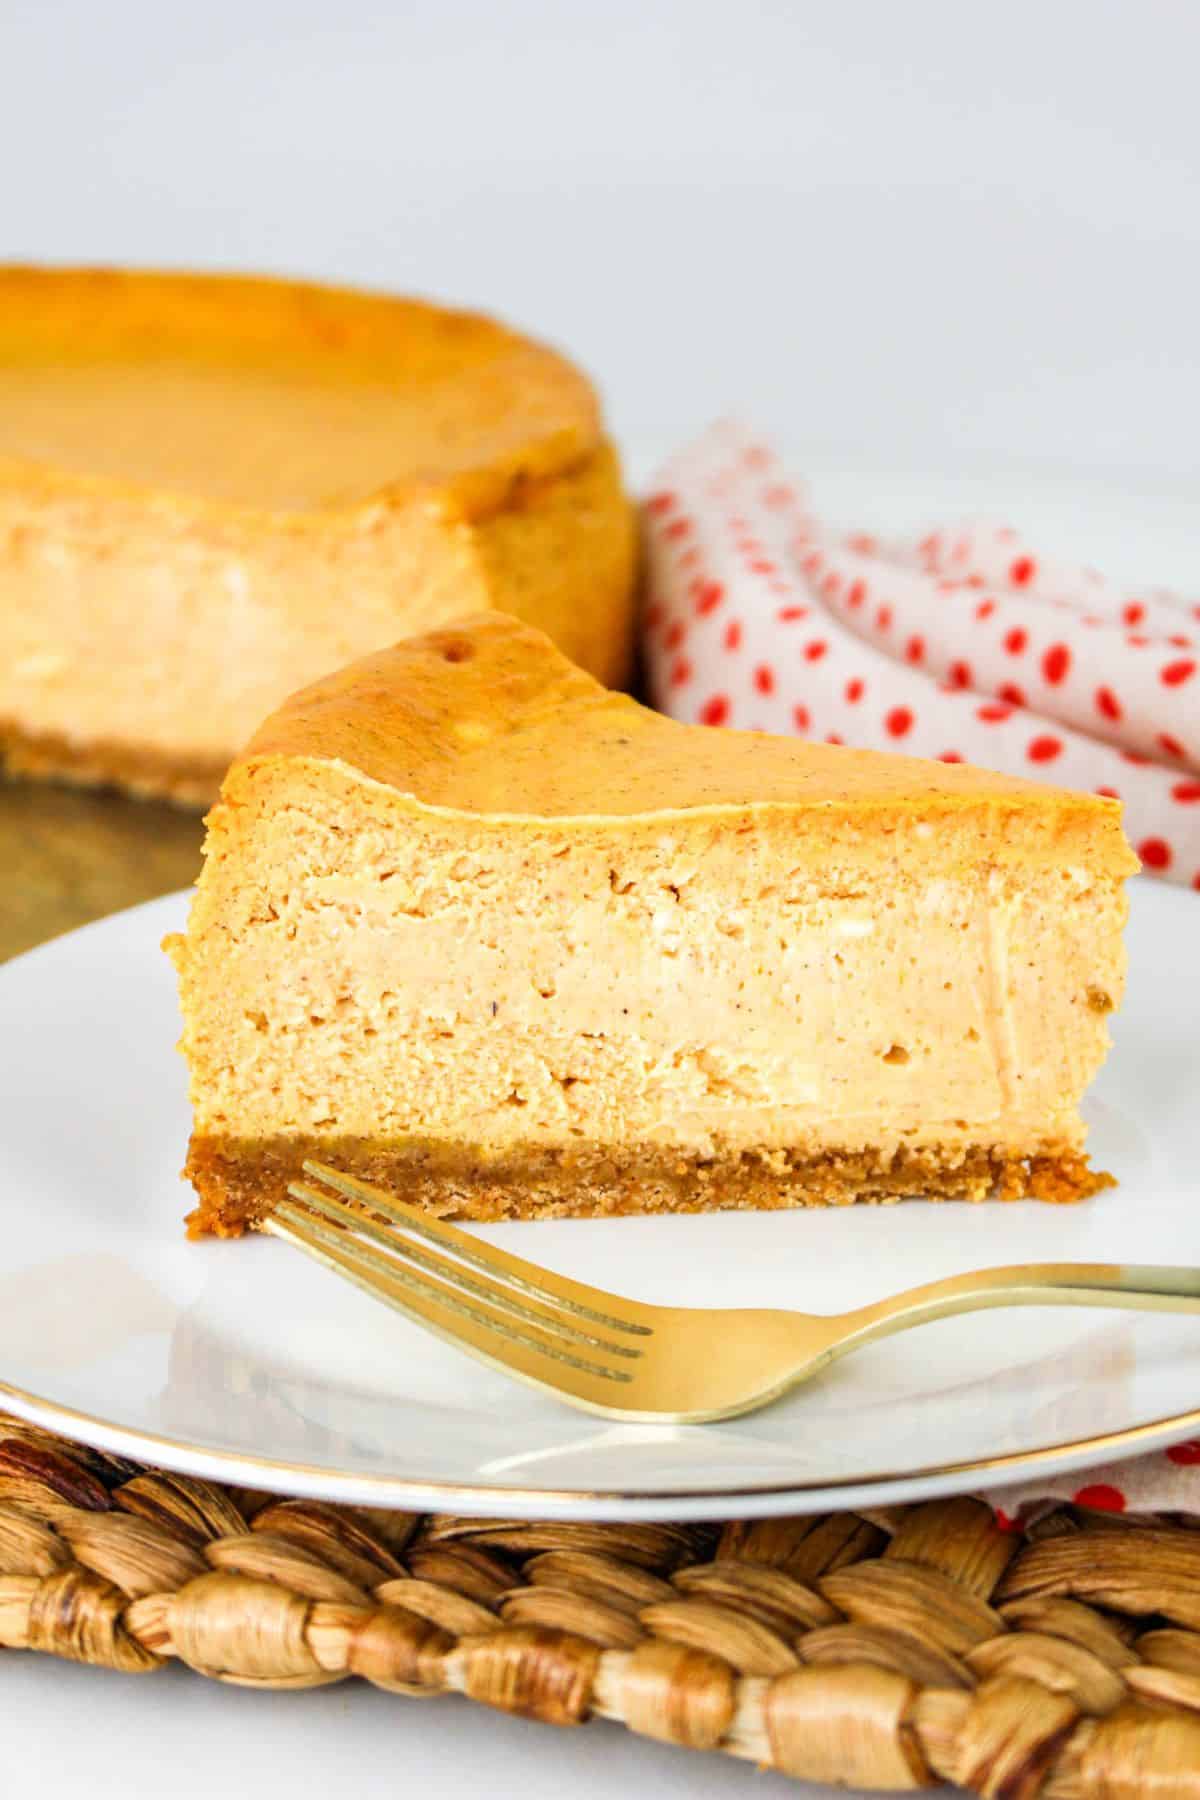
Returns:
point(591, 1303)
point(383, 1269)
point(546, 1362)
point(392, 1244)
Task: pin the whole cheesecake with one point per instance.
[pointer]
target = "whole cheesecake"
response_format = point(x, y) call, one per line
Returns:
point(509, 944)
point(213, 490)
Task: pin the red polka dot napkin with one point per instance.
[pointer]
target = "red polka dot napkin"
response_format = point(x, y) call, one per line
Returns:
point(1163, 1482)
point(967, 644)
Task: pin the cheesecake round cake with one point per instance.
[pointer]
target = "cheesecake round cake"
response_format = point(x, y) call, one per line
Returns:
point(214, 490)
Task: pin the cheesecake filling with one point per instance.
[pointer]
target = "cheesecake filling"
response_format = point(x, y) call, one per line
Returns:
point(466, 1000)
point(823, 1027)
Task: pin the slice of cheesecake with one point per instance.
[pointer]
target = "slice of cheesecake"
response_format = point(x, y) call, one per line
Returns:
point(214, 490)
point(509, 944)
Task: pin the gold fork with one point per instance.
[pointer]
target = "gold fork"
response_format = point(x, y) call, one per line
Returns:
point(620, 1358)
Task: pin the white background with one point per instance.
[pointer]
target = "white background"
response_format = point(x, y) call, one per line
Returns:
point(932, 229)
point(919, 233)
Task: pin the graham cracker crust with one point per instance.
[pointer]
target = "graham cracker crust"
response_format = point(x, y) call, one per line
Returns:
point(239, 1182)
point(146, 773)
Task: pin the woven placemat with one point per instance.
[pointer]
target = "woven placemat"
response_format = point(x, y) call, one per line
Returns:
point(913, 1646)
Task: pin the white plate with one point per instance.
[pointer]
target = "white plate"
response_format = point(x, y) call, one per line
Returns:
point(246, 1362)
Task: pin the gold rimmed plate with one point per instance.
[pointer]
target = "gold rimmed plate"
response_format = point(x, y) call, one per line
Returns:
point(243, 1362)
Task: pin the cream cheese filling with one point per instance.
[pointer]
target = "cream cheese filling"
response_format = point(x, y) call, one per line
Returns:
point(956, 1012)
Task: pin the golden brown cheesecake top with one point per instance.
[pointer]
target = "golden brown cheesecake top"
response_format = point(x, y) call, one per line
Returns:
point(277, 397)
point(488, 718)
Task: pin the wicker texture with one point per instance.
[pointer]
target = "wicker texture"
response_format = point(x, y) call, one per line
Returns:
point(918, 1645)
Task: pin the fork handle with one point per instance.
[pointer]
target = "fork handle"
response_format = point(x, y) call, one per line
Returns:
point(1144, 1287)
